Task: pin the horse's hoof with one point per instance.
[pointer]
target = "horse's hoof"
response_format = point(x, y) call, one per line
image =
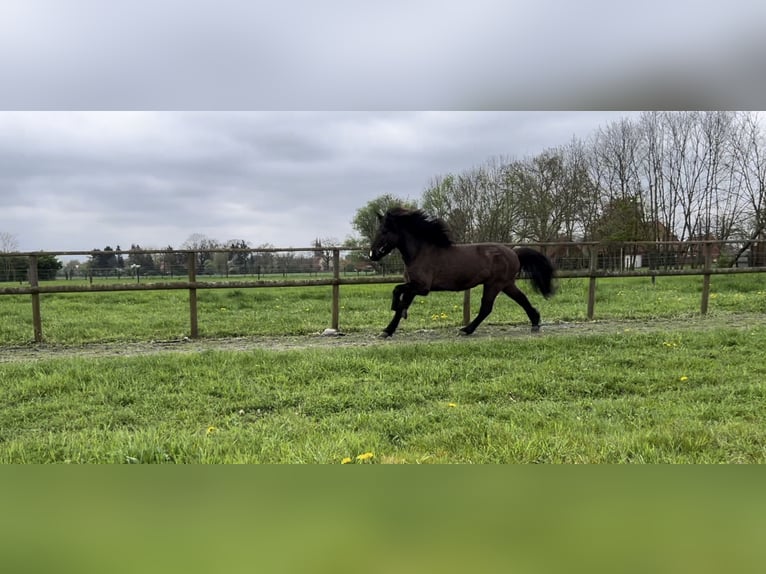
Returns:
point(385, 335)
point(463, 333)
point(535, 328)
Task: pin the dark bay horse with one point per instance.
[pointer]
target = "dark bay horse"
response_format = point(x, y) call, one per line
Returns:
point(434, 263)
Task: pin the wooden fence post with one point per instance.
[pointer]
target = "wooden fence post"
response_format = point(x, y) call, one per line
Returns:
point(192, 265)
point(466, 307)
point(335, 288)
point(35, 285)
point(592, 282)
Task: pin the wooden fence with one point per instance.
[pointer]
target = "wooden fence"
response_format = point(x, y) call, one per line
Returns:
point(590, 261)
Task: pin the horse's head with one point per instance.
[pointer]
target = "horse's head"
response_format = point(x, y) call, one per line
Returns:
point(386, 238)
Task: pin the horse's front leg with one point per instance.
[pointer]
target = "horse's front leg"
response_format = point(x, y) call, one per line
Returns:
point(403, 297)
point(396, 299)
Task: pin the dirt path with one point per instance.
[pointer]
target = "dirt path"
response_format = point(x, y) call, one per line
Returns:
point(279, 343)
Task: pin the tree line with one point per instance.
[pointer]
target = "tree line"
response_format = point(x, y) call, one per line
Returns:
point(17, 268)
point(663, 176)
point(212, 257)
point(660, 176)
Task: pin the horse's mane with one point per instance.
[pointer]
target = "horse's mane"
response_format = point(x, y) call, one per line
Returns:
point(422, 226)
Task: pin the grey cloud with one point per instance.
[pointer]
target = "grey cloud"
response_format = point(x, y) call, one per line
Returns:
point(72, 180)
point(485, 54)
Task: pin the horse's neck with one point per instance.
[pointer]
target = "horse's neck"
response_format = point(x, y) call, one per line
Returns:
point(409, 248)
point(412, 248)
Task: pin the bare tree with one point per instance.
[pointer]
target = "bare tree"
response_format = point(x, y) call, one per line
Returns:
point(579, 192)
point(717, 198)
point(543, 186)
point(615, 155)
point(203, 245)
point(8, 242)
point(442, 198)
point(535, 199)
point(658, 201)
point(8, 265)
point(750, 165)
point(678, 175)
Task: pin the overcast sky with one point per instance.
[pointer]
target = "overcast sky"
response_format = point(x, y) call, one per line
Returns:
point(78, 181)
point(84, 180)
point(397, 54)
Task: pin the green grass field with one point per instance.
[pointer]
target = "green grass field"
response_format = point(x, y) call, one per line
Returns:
point(654, 385)
point(74, 318)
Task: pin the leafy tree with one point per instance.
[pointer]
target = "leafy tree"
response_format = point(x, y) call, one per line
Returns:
point(365, 221)
point(104, 262)
point(120, 259)
point(145, 261)
point(17, 268)
point(170, 262)
point(237, 261)
point(622, 220)
point(13, 268)
point(358, 256)
point(47, 267)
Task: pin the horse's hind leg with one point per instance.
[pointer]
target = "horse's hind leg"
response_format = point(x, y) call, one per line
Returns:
point(487, 302)
point(534, 315)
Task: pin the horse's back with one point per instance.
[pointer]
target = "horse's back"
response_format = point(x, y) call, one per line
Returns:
point(501, 259)
point(466, 265)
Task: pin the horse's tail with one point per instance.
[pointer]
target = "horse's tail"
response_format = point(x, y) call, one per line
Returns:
point(539, 268)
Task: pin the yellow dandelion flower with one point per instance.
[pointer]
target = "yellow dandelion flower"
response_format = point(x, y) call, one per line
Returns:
point(211, 430)
point(346, 460)
point(684, 378)
point(452, 405)
point(365, 456)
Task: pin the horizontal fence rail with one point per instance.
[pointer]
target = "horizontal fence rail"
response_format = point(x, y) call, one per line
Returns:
point(589, 260)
